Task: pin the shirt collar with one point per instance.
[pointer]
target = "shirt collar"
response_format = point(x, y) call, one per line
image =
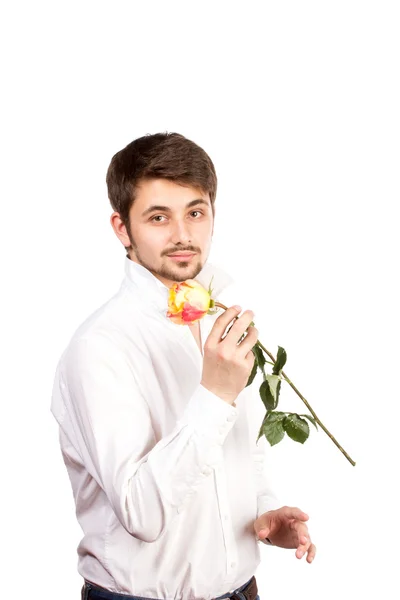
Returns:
point(154, 292)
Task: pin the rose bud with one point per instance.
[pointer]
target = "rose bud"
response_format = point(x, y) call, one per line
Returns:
point(188, 302)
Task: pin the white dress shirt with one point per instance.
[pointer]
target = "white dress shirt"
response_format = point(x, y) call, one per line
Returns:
point(166, 476)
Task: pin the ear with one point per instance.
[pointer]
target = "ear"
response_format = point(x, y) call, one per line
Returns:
point(120, 229)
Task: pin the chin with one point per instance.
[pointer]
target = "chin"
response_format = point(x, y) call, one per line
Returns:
point(187, 272)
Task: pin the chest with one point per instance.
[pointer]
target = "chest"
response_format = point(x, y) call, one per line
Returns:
point(196, 332)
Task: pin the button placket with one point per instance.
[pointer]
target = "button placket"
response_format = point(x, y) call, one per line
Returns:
point(206, 470)
point(231, 554)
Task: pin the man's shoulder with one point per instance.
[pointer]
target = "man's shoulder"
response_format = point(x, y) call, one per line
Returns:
point(110, 323)
point(111, 335)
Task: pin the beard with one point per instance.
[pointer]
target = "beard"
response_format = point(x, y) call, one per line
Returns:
point(177, 272)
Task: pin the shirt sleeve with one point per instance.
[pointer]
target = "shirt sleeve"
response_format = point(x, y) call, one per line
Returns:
point(147, 483)
point(266, 496)
point(236, 293)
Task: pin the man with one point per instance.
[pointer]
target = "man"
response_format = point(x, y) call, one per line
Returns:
point(157, 427)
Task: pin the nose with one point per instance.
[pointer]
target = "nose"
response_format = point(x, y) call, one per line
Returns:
point(181, 233)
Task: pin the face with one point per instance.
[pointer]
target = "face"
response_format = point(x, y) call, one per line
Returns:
point(168, 218)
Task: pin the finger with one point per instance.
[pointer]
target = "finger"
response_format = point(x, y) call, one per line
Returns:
point(221, 323)
point(263, 533)
point(246, 345)
point(237, 330)
point(311, 553)
point(250, 359)
point(302, 549)
point(292, 512)
point(300, 528)
point(303, 541)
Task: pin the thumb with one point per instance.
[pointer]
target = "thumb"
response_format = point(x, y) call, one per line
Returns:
point(263, 525)
point(263, 532)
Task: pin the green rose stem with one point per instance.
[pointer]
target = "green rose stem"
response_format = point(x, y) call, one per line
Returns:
point(298, 393)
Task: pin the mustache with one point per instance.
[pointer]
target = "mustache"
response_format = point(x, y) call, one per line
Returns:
point(182, 250)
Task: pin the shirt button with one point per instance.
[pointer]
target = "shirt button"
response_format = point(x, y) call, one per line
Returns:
point(225, 517)
point(233, 564)
point(206, 471)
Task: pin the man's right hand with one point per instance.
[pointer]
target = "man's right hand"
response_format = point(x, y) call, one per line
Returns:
point(227, 365)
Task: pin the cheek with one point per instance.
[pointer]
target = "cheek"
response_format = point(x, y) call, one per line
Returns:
point(207, 238)
point(210, 229)
point(153, 243)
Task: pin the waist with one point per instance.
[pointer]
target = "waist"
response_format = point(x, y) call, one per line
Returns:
point(92, 591)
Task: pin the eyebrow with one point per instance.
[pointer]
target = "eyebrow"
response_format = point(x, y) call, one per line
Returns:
point(167, 208)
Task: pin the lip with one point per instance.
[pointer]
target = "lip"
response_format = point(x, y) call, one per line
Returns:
point(182, 257)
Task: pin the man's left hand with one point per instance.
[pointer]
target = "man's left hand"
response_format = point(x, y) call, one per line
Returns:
point(286, 527)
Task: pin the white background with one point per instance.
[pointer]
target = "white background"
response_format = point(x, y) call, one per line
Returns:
point(297, 103)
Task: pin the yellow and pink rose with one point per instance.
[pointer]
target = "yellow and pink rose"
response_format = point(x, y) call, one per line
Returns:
point(188, 302)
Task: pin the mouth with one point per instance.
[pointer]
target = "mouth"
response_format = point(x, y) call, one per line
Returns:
point(184, 256)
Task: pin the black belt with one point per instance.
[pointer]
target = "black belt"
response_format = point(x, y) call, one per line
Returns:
point(250, 592)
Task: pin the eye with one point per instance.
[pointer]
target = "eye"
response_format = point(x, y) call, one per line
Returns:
point(158, 216)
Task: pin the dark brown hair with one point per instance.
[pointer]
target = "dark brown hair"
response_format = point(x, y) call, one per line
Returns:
point(158, 156)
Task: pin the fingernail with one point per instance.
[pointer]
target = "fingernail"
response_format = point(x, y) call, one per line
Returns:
point(237, 307)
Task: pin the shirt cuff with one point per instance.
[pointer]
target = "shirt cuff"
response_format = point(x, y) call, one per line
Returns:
point(209, 415)
point(267, 502)
point(266, 541)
